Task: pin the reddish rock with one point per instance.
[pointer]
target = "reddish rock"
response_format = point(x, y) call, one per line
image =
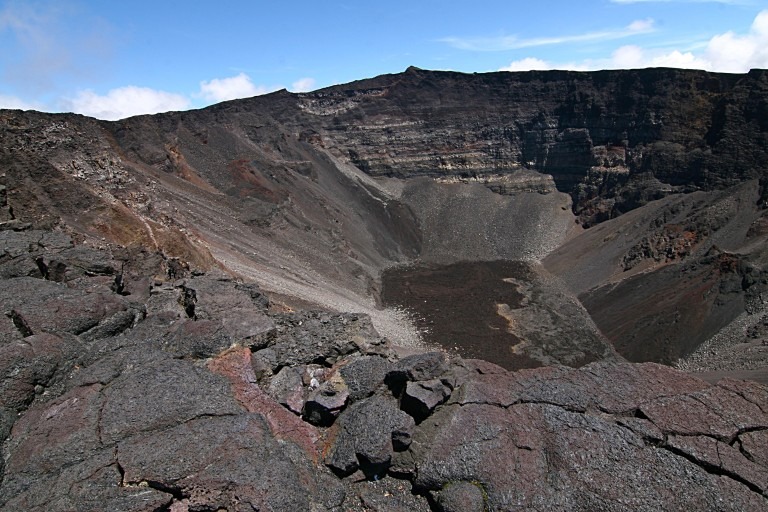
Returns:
point(721, 458)
point(755, 446)
point(714, 411)
point(235, 366)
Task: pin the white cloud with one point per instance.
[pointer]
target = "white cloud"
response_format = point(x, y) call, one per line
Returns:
point(633, 57)
point(125, 102)
point(738, 53)
point(515, 43)
point(728, 53)
point(303, 85)
point(129, 101)
point(234, 87)
point(527, 64)
point(627, 57)
point(678, 59)
point(12, 102)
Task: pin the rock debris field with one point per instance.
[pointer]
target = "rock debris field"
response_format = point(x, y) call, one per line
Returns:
point(199, 395)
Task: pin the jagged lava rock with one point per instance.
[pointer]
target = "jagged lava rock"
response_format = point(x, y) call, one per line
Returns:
point(555, 446)
point(367, 434)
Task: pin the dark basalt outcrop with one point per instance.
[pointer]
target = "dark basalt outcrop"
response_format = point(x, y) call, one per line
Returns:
point(147, 418)
point(197, 312)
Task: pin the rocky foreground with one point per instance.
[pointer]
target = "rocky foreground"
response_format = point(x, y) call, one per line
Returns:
point(132, 382)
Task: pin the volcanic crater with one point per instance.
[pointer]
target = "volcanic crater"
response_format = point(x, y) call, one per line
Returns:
point(307, 278)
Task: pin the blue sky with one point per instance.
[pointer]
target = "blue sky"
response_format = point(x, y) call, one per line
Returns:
point(113, 59)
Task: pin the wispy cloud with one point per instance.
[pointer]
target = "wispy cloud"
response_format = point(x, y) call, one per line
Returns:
point(53, 42)
point(728, 52)
point(502, 43)
point(728, 2)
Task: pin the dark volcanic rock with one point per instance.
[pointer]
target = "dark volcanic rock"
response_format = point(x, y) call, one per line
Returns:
point(511, 313)
point(368, 434)
point(235, 366)
point(317, 193)
point(239, 310)
point(287, 387)
point(755, 446)
point(155, 396)
point(326, 402)
point(418, 367)
point(719, 457)
point(217, 461)
point(134, 419)
point(40, 306)
point(613, 139)
point(461, 497)
point(420, 398)
point(363, 375)
point(317, 337)
point(27, 364)
point(573, 448)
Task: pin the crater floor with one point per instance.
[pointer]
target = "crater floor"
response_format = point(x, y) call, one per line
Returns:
point(510, 312)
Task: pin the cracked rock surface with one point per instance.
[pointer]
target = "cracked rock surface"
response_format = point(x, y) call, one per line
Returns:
point(209, 409)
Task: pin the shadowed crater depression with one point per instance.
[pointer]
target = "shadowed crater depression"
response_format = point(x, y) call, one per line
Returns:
point(510, 312)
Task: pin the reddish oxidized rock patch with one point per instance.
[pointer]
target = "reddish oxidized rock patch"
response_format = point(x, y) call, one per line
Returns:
point(235, 365)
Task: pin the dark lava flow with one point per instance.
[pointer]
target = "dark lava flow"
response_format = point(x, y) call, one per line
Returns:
point(455, 306)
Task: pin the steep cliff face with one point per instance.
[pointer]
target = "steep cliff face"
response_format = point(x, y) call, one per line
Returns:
point(612, 139)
